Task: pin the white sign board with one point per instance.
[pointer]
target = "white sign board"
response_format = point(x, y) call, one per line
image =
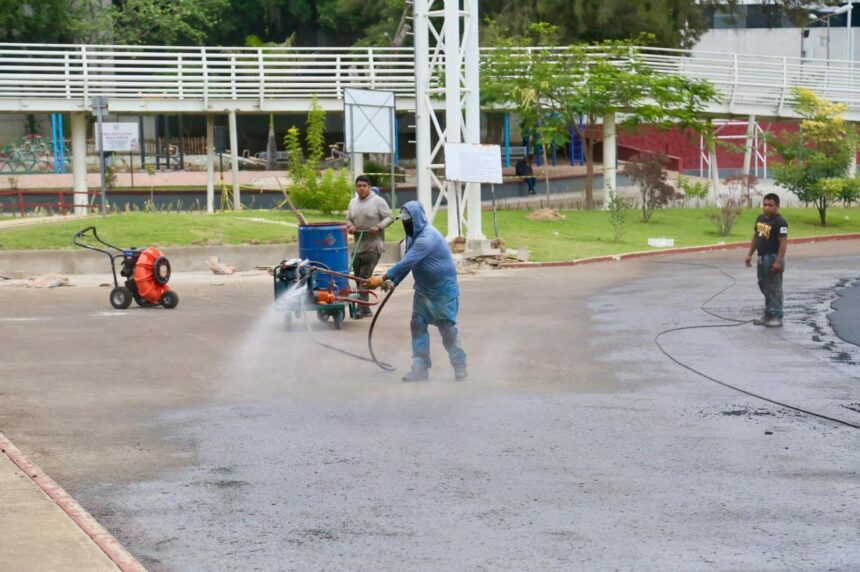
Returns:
point(368, 121)
point(120, 136)
point(468, 163)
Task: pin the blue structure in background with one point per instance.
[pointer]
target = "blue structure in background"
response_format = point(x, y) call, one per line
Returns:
point(577, 151)
point(396, 141)
point(58, 142)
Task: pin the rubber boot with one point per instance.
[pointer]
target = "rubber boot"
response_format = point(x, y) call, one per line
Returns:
point(460, 372)
point(773, 323)
point(417, 374)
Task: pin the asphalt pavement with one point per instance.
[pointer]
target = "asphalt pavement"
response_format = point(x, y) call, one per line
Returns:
point(208, 438)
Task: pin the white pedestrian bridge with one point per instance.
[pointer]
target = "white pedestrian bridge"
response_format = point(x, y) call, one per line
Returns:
point(44, 78)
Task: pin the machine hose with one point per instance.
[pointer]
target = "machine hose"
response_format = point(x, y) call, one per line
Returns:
point(734, 323)
point(387, 367)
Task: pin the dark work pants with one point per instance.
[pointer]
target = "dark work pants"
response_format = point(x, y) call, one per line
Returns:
point(363, 267)
point(770, 284)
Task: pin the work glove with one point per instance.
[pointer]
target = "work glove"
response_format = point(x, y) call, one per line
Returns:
point(375, 282)
point(388, 285)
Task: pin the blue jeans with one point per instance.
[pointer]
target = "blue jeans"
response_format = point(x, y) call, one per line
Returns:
point(442, 313)
point(770, 284)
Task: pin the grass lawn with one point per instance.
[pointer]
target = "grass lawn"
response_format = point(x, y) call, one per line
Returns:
point(589, 233)
point(163, 229)
point(582, 234)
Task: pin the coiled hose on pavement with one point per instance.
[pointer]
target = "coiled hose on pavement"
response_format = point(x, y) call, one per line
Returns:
point(734, 322)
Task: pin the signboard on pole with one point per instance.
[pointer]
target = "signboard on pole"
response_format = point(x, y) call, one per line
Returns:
point(121, 136)
point(470, 163)
point(369, 121)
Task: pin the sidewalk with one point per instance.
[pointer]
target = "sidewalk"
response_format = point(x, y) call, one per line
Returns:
point(43, 529)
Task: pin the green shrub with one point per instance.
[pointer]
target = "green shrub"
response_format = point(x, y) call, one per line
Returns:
point(376, 171)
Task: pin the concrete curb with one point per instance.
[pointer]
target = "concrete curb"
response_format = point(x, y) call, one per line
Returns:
point(23, 263)
point(85, 521)
point(685, 250)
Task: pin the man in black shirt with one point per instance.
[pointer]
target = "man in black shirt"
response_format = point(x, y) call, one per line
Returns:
point(770, 239)
point(524, 169)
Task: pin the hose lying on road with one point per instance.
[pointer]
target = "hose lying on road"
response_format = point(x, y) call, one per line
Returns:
point(734, 323)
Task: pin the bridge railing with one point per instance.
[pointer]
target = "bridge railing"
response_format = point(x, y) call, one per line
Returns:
point(79, 72)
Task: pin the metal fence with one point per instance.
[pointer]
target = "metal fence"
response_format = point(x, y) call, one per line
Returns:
point(78, 72)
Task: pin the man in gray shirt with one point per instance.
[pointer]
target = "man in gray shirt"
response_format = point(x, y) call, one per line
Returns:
point(366, 218)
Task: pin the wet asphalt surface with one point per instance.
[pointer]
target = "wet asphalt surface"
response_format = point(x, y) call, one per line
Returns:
point(845, 318)
point(210, 439)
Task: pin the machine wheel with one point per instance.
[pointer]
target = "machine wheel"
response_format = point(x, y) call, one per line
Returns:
point(161, 270)
point(322, 316)
point(338, 320)
point(120, 297)
point(170, 299)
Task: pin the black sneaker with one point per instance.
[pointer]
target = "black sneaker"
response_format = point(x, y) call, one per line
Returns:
point(417, 374)
point(460, 372)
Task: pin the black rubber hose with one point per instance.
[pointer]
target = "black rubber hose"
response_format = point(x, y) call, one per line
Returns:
point(734, 323)
point(383, 365)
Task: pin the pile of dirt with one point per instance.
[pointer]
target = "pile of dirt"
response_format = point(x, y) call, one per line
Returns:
point(546, 214)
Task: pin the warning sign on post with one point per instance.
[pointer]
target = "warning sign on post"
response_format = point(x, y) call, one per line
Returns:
point(120, 136)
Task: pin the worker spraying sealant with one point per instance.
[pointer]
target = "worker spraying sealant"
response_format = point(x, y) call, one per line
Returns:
point(367, 217)
point(436, 300)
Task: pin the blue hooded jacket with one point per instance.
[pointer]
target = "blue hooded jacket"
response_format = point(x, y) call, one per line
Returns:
point(428, 257)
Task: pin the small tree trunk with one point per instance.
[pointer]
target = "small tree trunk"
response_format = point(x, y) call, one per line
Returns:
point(822, 211)
point(545, 171)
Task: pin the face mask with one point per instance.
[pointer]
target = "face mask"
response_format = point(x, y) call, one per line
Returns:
point(407, 226)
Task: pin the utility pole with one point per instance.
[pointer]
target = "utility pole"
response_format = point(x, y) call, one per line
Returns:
point(99, 106)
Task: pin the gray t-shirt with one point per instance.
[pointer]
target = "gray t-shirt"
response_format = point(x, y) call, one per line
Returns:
point(367, 213)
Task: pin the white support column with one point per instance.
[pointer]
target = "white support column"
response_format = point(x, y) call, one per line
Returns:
point(852, 166)
point(748, 146)
point(610, 182)
point(234, 161)
point(714, 171)
point(473, 114)
point(210, 164)
point(357, 163)
point(79, 161)
point(453, 110)
point(423, 111)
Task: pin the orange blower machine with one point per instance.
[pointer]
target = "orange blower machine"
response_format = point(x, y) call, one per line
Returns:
point(146, 273)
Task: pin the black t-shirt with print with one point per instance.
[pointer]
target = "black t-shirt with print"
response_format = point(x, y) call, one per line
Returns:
point(768, 231)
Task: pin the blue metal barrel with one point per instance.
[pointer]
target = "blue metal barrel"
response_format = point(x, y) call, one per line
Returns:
point(325, 243)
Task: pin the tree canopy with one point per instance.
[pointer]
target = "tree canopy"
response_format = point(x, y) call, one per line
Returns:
point(554, 88)
point(672, 23)
point(817, 157)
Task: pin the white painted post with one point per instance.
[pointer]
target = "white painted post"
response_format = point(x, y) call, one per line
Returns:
point(473, 114)
point(79, 161)
point(234, 160)
point(422, 106)
point(453, 109)
point(210, 164)
point(610, 183)
point(748, 148)
point(714, 169)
